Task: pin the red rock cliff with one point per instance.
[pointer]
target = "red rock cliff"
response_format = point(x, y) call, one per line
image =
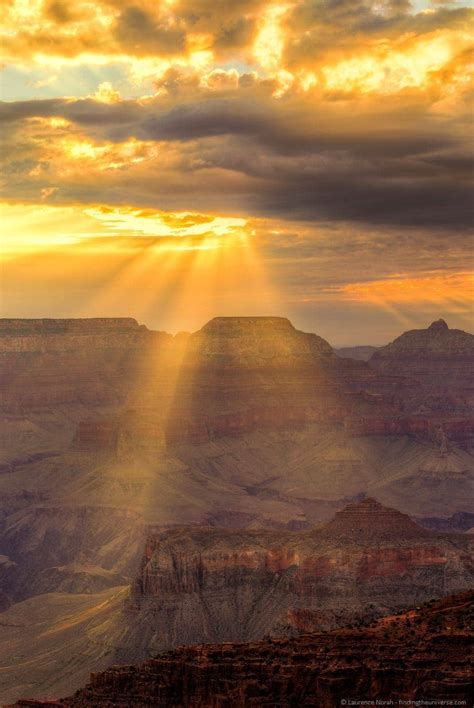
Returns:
point(422, 654)
point(207, 584)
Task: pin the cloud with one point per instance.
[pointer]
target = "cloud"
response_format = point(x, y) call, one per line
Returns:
point(309, 30)
point(341, 126)
point(138, 28)
point(206, 118)
point(241, 149)
point(347, 282)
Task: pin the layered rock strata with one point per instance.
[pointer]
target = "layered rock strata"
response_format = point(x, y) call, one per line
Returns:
point(234, 374)
point(434, 356)
point(208, 584)
point(423, 654)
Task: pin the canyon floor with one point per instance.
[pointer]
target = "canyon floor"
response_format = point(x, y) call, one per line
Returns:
point(50, 643)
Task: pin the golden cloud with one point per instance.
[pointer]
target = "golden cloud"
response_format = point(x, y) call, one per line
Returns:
point(305, 45)
point(454, 289)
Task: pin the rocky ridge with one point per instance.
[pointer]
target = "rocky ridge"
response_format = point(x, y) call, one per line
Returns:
point(457, 523)
point(207, 584)
point(107, 426)
point(420, 654)
point(232, 375)
point(437, 356)
point(247, 420)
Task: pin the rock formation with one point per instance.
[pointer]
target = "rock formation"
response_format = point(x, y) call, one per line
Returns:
point(233, 375)
point(208, 584)
point(434, 356)
point(47, 363)
point(247, 419)
point(419, 654)
point(107, 428)
point(103, 361)
point(457, 523)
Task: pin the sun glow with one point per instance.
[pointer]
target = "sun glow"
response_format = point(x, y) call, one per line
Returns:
point(173, 263)
point(391, 69)
point(153, 223)
point(100, 156)
point(106, 93)
point(29, 227)
point(270, 41)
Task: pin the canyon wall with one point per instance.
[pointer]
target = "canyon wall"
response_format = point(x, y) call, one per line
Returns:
point(107, 428)
point(233, 375)
point(436, 356)
point(46, 363)
point(202, 584)
point(422, 654)
point(246, 422)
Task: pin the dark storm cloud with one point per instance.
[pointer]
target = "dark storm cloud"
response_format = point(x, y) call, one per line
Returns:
point(413, 177)
point(294, 158)
point(351, 19)
point(356, 197)
point(18, 110)
point(300, 127)
point(82, 111)
point(206, 118)
point(114, 28)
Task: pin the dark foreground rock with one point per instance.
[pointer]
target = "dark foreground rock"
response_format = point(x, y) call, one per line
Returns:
point(420, 654)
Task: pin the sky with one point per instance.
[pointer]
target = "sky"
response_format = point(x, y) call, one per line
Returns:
point(176, 160)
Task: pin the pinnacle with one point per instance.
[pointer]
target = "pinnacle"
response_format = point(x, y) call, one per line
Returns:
point(438, 325)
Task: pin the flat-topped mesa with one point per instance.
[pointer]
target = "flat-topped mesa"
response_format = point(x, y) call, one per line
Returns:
point(255, 341)
point(79, 335)
point(232, 365)
point(369, 520)
point(238, 326)
point(49, 362)
point(94, 325)
point(82, 336)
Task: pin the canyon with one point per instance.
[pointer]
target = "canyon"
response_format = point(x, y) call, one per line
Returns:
point(422, 654)
point(229, 453)
point(200, 584)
